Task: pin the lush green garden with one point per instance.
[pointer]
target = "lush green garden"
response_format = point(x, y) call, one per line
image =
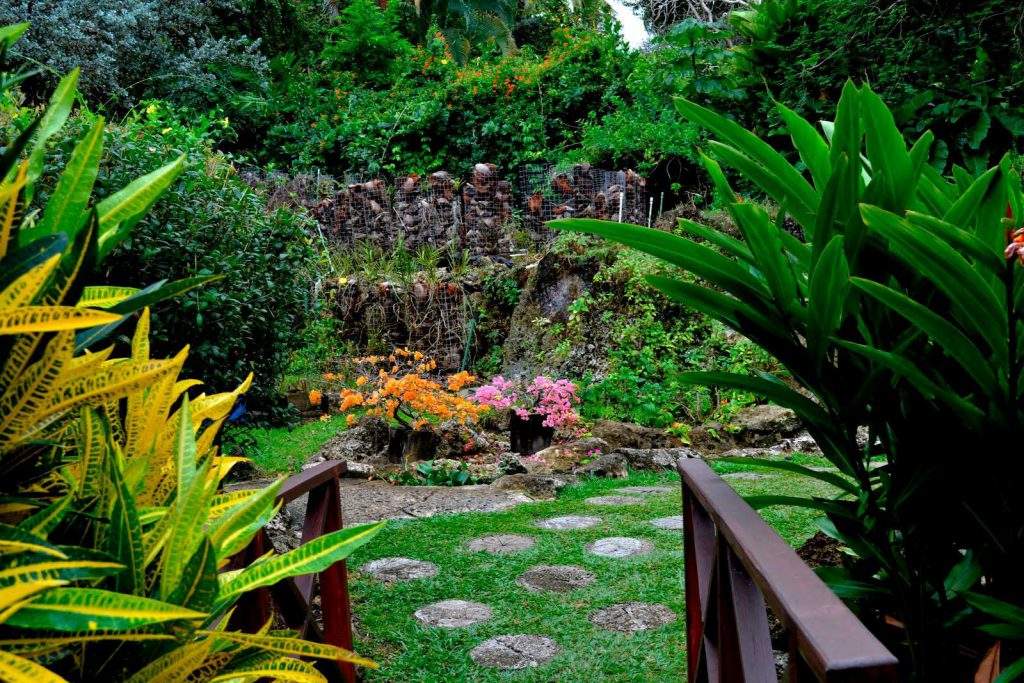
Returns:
point(834, 225)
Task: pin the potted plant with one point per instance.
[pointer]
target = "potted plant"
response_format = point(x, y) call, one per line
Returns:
point(399, 387)
point(537, 409)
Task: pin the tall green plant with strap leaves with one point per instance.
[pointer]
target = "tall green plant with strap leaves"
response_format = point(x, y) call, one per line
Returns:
point(897, 313)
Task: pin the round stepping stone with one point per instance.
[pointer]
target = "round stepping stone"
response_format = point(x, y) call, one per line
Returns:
point(646, 490)
point(671, 523)
point(630, 617)
point(453, 613)
point(514, 652)
point(619, 546)
point(743, 476)
point(568, 522)
point(614, 500)
point(399, 569)
point(561, 578)
point(501, 544)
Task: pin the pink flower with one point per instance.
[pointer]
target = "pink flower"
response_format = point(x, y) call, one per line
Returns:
point(555, 400)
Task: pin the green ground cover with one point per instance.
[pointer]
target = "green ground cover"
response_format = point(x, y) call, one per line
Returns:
point(283, 450)
point(410, 652)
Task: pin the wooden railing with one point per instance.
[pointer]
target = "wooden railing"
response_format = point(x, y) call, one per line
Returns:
point(293, 598)
point(735, 563)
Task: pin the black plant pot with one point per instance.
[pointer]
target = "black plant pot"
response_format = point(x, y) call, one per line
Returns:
point(530, 435)
point(407, 445)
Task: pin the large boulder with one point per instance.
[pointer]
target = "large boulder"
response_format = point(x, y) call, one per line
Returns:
point(629, 435)
point(655, 459)
point(609, 465)
point(366, 442)
point(543, 486)
point(764, 425)
point(564, 458)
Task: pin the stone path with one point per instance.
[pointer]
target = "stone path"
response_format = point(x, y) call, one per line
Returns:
point(501, 544)
point(453, 614)
point(391, 569)
point(568, 522)
point(521, 651)
point(515, 652)
point(672, 523)
point(631, 617)
point(556, 578)
point(619, 546)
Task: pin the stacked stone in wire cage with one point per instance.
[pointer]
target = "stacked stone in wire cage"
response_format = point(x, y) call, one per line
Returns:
point(435, 315)
point(625, 195)
point(581, 191)
point(368, 215)
point(427, 209)
point(487, 213)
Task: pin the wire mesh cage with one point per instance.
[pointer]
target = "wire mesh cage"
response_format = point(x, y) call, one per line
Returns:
point(427, 210)
point(487, 213)
point(547, 192)
point(436, 315)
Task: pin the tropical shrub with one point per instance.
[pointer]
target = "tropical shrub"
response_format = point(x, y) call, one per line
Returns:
point(127, 49)
point(211, 221)
point(949, 67)
point(113, 531)
point(898, 313)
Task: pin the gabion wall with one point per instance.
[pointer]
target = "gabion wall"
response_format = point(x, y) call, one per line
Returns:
point(481, 214)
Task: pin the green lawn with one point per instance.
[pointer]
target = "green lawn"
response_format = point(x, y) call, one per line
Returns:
point(408, 651)
point(283, 450)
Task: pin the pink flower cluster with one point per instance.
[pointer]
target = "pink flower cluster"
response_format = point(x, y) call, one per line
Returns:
point(498, 393)
point(554, 399)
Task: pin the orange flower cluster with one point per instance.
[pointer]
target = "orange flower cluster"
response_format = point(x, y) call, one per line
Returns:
point(315, 396)
point(396, 387)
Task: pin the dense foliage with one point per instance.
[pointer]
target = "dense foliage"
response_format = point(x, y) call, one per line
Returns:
point(113, 531)
point(950, 67)
point(899, 312)
point(207, 222)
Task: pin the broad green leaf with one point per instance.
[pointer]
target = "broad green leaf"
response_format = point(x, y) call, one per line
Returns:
point(765, 243)
point(124, 531)
point(910, 371)
point(233, 530)
point(848, 588)
point(153, 294)
point(198, 586)
point(717, 238)
point(291, 646)
point(122, 210)
point(63, 570)
point(696, 258)
point(314, 556)
point(963, 241)
point(765, 166)
point(52, 120)
point(15, 669)
point(47, 519)
point(66, 208)
point(91, 609)
point(965, 208)
point(887, 150)
point(9, 35)
point(829, 287)
point(281, 669)
point(994, 607)
point(975, 302)
point(832, 478)
point(953, 342)
point(845, 133)
point(809, 144)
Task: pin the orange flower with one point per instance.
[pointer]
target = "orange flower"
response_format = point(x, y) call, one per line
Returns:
point(350, 420)
point(361, 380)
point(315, 396)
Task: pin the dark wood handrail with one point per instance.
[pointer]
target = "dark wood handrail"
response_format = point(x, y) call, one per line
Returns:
point(735, 563)
point(294, 597)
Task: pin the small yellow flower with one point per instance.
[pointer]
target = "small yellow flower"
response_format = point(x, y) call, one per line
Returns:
point(361, 380)
point(165, 131)
point(325, 417)
point(224, 122)
point(151, 109)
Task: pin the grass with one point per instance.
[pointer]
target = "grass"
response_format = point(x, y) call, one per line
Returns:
point(409, 652)
point(283, 450)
